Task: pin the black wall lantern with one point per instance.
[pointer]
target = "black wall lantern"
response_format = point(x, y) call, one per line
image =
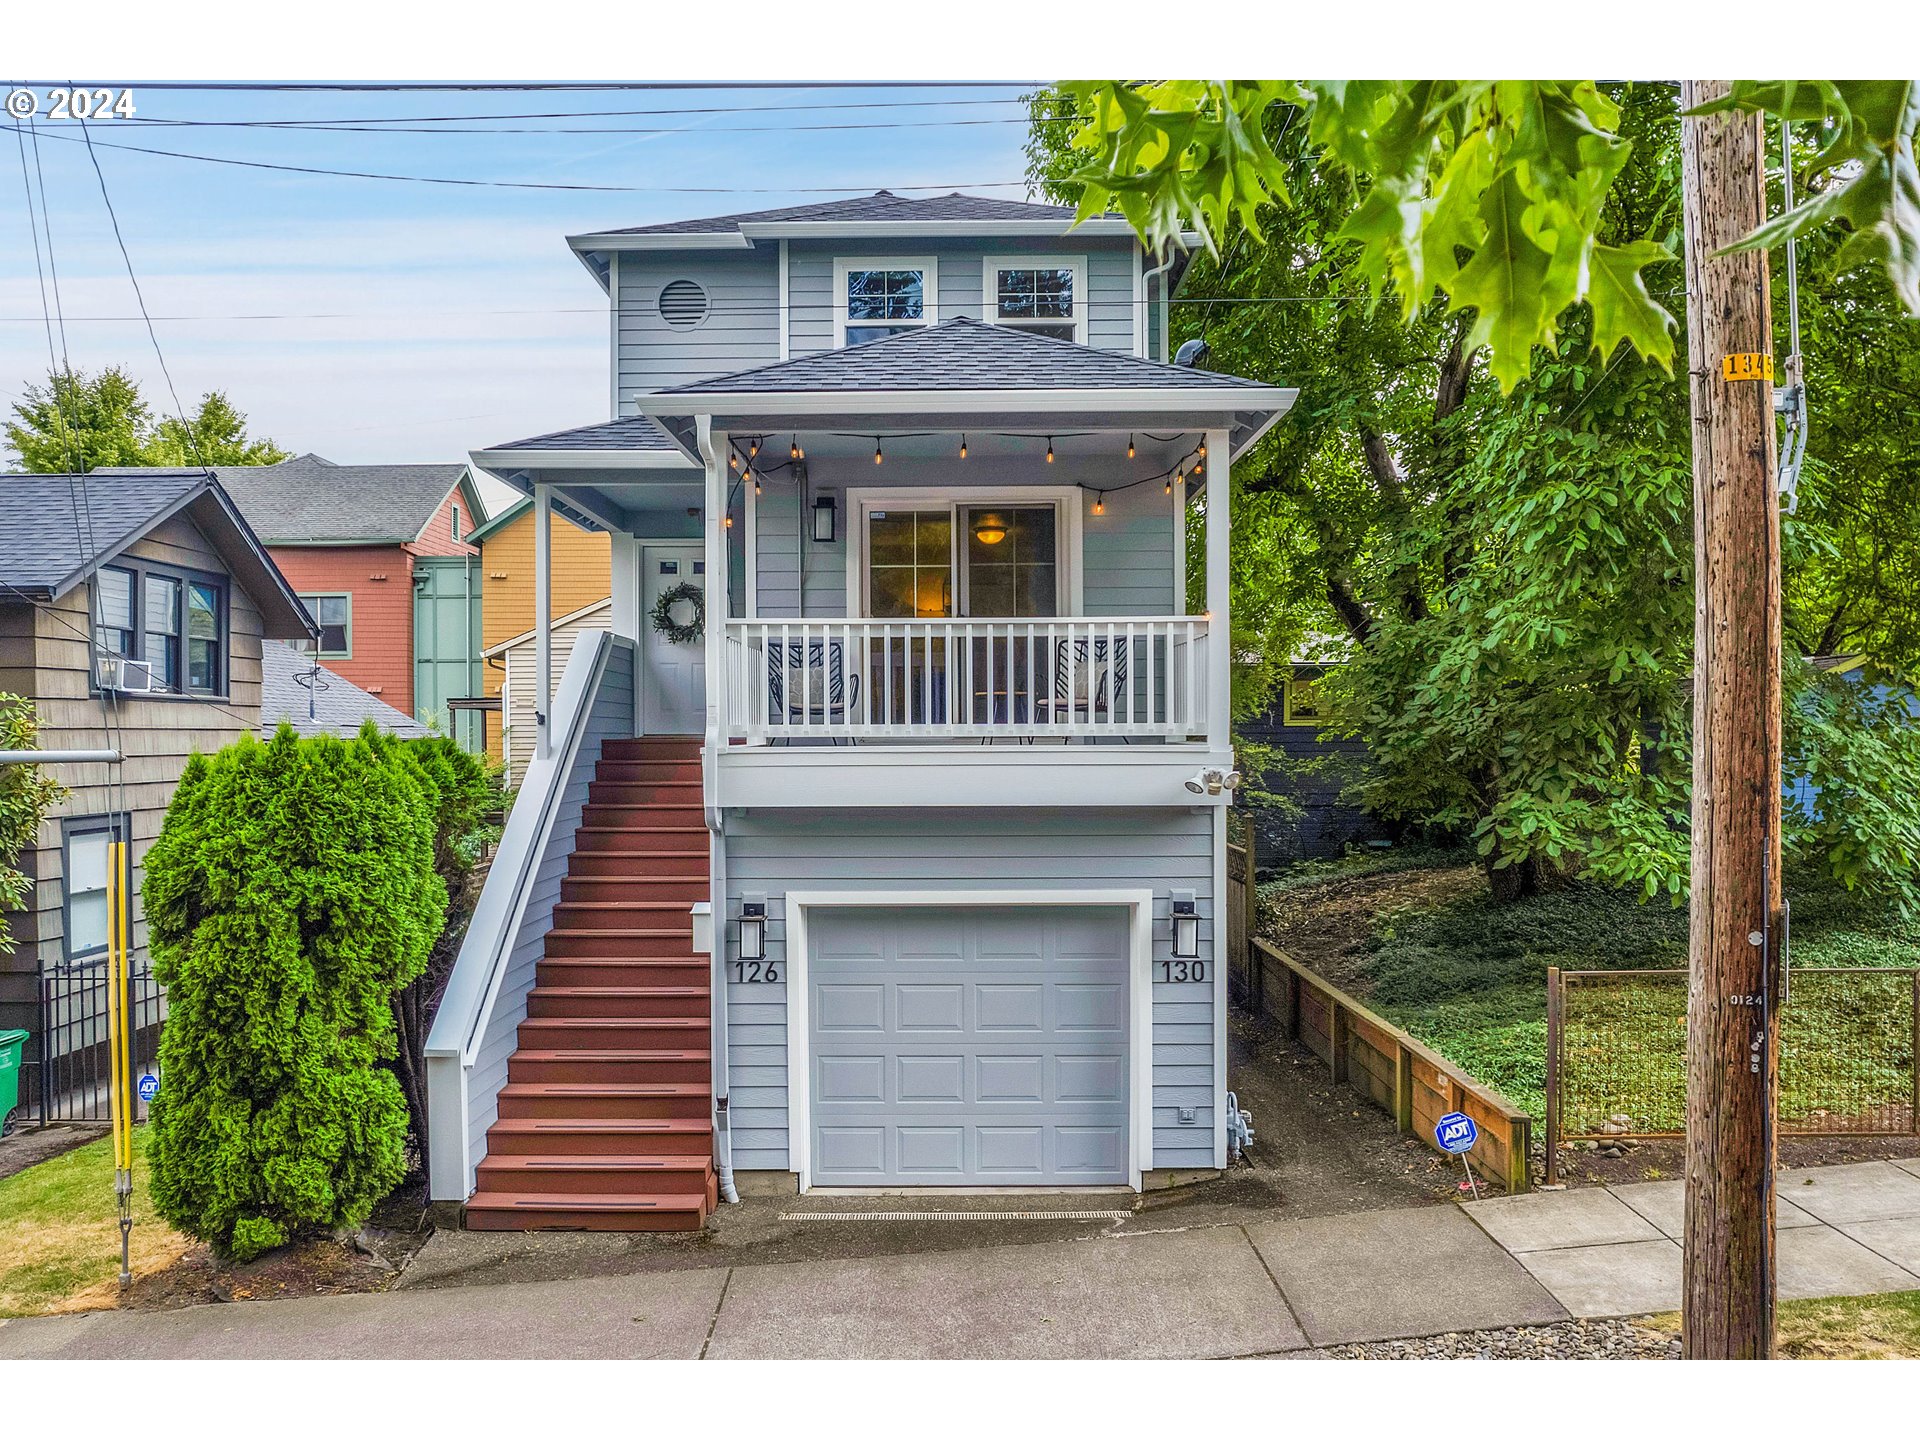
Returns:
point(823, 519)
point(753, 931)
point(1186, 929)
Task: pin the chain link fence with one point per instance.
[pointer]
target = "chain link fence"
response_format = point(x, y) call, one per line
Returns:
point(1617, 1053)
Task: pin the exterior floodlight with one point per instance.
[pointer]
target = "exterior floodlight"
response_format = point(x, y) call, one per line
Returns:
point(1198, 784)
point(1231, 779)
point(1186, 930)
point(753, 931)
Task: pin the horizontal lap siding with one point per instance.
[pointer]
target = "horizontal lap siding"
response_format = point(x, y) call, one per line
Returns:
point(1158, 850)
point(522, 673)
point(45, 656)
point(741, 329)
point(380, 579)
point(611, 718)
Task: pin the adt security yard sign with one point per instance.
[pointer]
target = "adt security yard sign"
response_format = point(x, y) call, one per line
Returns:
point(149, 1087)
point(1455, 1134)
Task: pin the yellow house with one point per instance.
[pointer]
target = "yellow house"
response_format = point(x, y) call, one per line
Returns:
point(582, 576)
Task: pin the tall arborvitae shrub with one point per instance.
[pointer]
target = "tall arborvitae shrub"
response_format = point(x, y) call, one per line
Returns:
point(290, 893)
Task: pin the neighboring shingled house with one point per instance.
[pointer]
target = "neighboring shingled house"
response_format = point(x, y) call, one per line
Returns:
point(133, 610)
point(380, 555)
point(298, 691)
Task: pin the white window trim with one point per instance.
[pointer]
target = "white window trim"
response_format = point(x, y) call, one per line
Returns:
point(1139, 907)
point(990, 267)
point(844, 265)
point(1068, 529)
point(346, 595)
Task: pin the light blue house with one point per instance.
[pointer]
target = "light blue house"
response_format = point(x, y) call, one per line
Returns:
point(880, 842)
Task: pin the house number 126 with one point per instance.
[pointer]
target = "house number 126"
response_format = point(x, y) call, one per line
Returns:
point(757, 972)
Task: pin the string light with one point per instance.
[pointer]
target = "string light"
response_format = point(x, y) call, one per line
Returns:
point(1202, 451)
point(1050, 456)
point(963, 446)
point(733, 461)
point(729, 522)
point(1129, 447)
point(1099, 503)
point(877, 456)
point(793, 450)
point(756, 486)
point(1169, 487)
point(753, 449)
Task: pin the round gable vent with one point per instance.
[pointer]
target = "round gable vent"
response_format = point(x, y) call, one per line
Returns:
point(683, 304)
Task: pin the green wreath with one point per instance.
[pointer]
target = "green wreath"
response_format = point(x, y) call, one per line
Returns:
point(663, 608)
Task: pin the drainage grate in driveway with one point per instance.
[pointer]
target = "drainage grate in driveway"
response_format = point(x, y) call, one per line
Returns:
point(956, 1214)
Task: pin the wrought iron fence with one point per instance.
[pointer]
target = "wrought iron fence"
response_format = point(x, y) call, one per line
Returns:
point(1617, 1053)
point(64, 1075)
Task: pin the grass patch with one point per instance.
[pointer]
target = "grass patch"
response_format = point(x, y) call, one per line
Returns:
point(1469, 978)
point(60, 1235)
point(1869, 1327)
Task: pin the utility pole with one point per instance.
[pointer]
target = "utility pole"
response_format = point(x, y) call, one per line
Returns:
point(1732, 1024)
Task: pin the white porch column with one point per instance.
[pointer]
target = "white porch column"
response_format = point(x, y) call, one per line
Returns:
point(543, 618)
point(713, 449)
point(1219, 477)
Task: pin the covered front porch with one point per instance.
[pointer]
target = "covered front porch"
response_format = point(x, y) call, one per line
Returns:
point(892, 565)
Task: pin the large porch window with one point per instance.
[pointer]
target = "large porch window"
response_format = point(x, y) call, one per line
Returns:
point(1002, 556)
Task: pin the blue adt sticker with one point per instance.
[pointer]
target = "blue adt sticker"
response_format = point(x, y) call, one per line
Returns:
point(149, 1087)
point(1456, 1133)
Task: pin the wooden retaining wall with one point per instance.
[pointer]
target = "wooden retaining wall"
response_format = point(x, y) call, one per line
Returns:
point(1389, 1067)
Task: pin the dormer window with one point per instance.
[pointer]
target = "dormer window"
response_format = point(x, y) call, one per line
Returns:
point(1042, 293)
point(881, 297)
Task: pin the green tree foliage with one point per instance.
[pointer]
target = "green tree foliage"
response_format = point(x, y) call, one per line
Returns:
point(26, 794)
point(79, 422)
point(1511, 573)
point(291, 892)
point(1491, 193)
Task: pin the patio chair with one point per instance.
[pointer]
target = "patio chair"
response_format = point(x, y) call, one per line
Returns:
point(808, 683)
point(1083, 690)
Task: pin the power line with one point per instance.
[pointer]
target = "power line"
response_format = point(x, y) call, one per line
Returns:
point(365, 128)
point(540, 185)
point(597, 114)
point(529, 87)
point(186, 426)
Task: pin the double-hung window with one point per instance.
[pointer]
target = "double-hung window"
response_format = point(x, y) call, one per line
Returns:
point(174, 620)
point(1046, 294)
point(85, 866)
point(878, 298)
point(334, 615)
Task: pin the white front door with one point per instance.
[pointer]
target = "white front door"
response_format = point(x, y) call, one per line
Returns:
point(673, 677)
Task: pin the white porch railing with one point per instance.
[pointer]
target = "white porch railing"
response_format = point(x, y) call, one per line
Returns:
point(1124, 676)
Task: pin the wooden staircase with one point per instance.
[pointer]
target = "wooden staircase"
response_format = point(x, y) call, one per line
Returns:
point(606, 1119)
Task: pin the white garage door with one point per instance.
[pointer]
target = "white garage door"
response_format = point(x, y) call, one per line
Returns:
point(968, 1046)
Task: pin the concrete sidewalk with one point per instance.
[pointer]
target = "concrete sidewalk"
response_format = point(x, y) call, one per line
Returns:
point(1224, 1290)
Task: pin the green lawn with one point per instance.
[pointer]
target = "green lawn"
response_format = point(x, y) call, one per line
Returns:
point(1870, 1327)
point(59, 1231)
point(1469, 978)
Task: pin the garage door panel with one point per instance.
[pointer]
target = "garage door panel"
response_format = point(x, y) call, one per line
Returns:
point(932, 1151)
point(841, 1008)
point(930, 1079)
point(1001, 1036)
point(855, 1078)
point(1100, 1008)
point(1000, 1007)
point(931, 1007)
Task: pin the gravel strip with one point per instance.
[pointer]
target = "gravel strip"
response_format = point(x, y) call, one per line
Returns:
point(1570, 1340)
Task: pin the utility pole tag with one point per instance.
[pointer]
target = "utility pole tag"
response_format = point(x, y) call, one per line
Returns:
point(1746, 367)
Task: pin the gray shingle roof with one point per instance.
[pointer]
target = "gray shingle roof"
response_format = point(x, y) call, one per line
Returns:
point(55, 528)
point(636, 432)
point(965, 354)
point(338, 706)
point(310, 498)
point(881, 205)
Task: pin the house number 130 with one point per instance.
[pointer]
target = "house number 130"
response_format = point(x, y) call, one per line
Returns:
point(1182, 970)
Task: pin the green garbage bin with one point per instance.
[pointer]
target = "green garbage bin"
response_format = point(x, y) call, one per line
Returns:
point(12, 1042)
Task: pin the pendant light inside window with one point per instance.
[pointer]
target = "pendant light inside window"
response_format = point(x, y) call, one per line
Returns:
point(989, 529)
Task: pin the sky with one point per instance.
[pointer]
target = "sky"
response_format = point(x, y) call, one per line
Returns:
point(375, 321)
